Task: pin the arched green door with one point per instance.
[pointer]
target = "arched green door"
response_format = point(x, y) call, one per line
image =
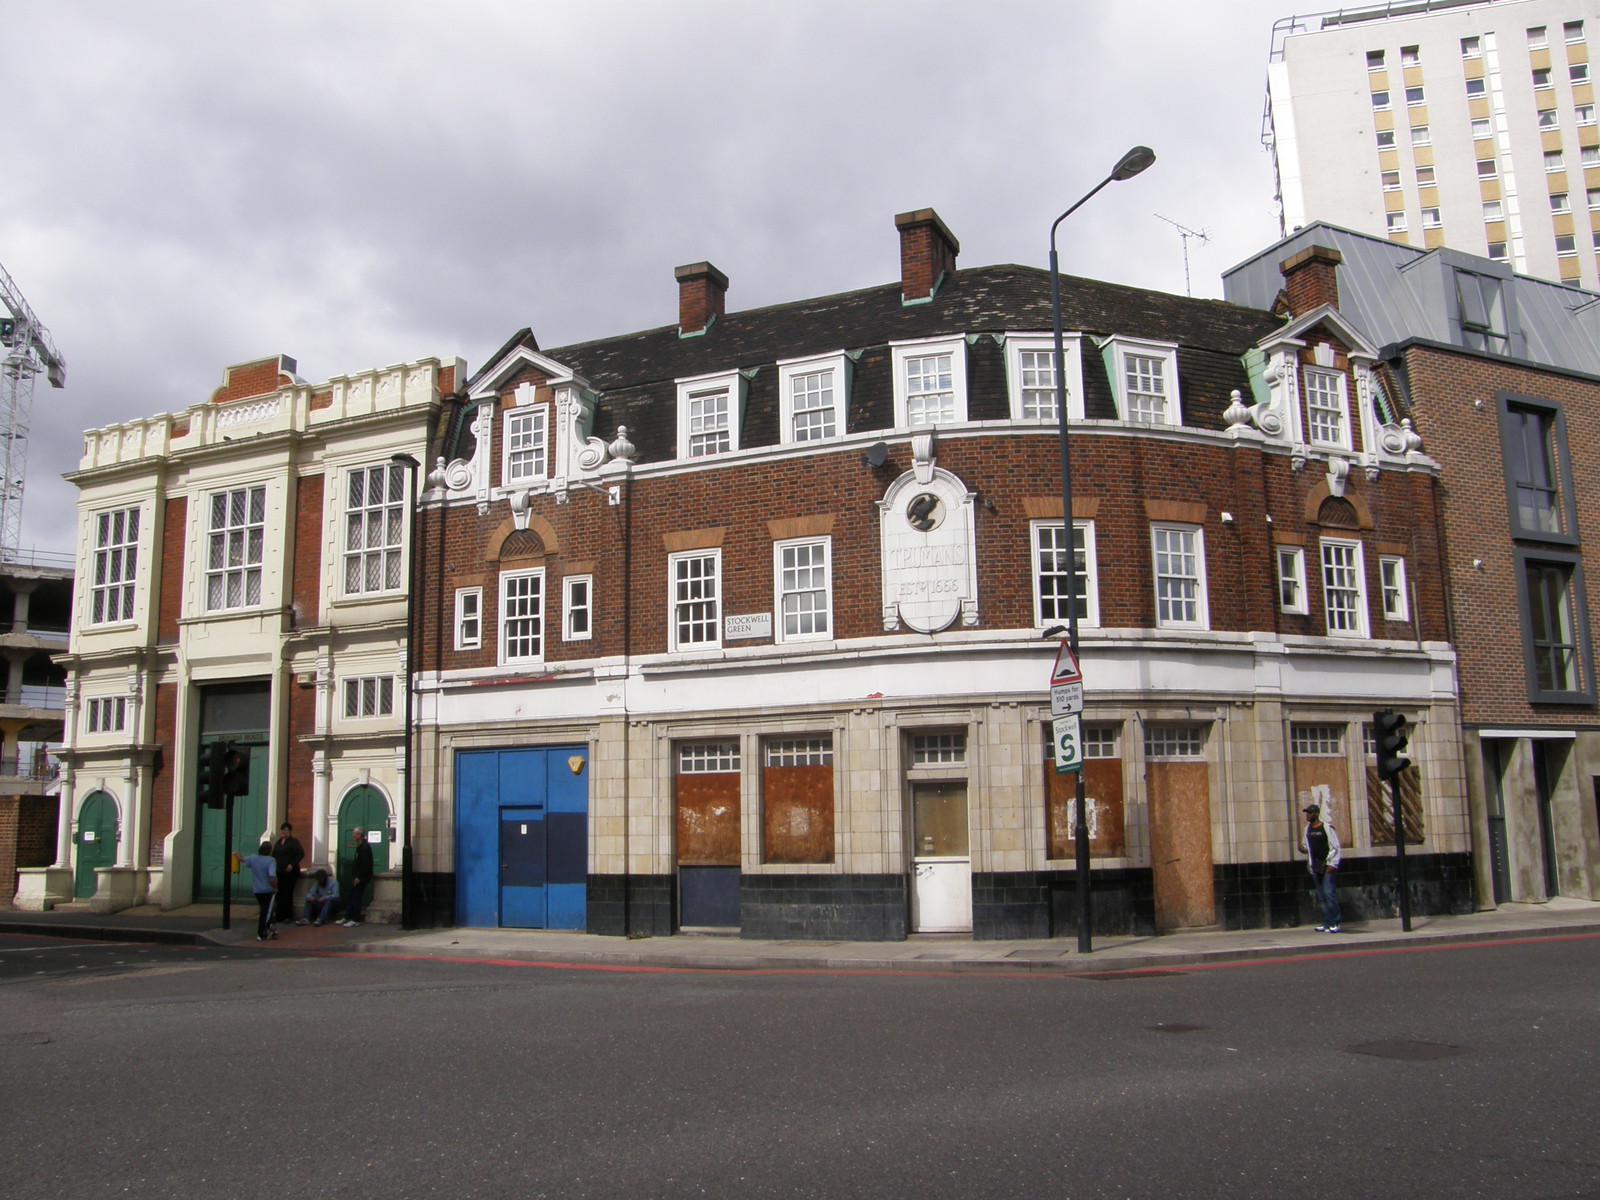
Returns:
point(96, 842)
point(363, 808)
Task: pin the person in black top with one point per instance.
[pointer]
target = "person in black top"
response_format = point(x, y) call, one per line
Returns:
point(288, 853)
point(360, 876)
point(1320, 844)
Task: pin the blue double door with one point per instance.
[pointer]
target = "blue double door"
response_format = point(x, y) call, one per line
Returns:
point(522, 837)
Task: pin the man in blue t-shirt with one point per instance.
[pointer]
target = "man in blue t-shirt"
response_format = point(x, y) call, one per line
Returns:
point(264, 884)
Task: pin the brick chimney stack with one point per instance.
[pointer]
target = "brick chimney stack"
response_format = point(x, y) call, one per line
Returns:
point(1311, 279)
point(927, 253)
point(702, 294)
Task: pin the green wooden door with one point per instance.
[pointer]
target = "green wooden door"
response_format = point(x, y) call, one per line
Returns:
point(249, 822)
point(363, 808)
point(95, 842)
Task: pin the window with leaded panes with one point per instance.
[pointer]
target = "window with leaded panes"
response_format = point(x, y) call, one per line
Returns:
point(235, 542)
point(116, 562)
point(374, 529)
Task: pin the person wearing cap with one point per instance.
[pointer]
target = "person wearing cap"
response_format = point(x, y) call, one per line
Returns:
point(1320, 844)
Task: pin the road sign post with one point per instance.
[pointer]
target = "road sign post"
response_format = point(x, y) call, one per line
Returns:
point(1066, 706)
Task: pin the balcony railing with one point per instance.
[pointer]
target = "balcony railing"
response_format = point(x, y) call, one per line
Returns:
point(48, 633)
point(35, 696)
point(30, 557)
point(28, 766)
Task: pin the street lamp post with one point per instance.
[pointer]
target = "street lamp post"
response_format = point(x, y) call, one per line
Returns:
point(408, 902)
point(1131, 163)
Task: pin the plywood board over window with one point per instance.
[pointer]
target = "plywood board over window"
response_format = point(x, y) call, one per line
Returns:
point(797, 801)
point(708, 805)
point(1322, 774)
point(1102, 793)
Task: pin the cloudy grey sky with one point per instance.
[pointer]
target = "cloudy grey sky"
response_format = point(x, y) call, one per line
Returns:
point(193, 183)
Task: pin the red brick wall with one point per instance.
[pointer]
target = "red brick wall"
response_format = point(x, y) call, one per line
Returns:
point(298, 785)
point(306, 583)
point(1013, 476)
point(1447, 390)
point(259, 378)
point(161, 780)
point(169, 607)
point(27, 837)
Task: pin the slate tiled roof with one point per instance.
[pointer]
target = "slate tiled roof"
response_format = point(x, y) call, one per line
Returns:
point(635, 373)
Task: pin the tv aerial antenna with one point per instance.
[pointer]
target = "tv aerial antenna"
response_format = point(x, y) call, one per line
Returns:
point(1200, 235)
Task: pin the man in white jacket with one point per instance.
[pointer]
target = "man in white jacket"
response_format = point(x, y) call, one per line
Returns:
point(1320, 844)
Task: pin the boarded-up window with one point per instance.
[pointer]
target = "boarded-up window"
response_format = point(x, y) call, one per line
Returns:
point(1102, 795)
point(1380, 803)
point(708, 804)
point(797, 800)
point(1322, 773)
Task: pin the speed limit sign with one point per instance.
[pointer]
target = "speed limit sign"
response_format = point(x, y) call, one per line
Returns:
point(1069, 744)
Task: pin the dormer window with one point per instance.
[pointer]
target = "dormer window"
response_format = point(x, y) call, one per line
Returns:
point(930, 391)
point(1146, 378)
point(709, 412)
point(812, 395)
point(1031, 376)
point(930, 382)
point(525, 455)
point(1327, 407)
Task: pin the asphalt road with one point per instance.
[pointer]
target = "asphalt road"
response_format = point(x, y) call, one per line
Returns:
point(1468, 1071)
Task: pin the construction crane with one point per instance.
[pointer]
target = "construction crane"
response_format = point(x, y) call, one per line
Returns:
point(28, 350)
point(1200, 235)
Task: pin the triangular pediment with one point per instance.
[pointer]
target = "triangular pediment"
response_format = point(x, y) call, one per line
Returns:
point(513, 360)
point(1328, 318)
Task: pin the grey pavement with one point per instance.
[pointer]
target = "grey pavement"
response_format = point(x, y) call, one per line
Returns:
point(199, 924)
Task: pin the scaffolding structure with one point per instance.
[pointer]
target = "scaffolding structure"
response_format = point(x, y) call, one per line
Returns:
point(28, 352)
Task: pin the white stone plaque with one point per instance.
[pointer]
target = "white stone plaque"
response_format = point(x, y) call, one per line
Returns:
point(929, 573)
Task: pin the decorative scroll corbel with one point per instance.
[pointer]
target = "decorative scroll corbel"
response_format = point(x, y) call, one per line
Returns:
point(1338, 473)
point(922, 457)
point(520, 508)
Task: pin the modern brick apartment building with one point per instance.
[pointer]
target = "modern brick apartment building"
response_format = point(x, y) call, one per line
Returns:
point(738, 622)
point(1501, 374)
point(243, 568)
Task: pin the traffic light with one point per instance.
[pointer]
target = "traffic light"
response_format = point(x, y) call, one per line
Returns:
point(208, 781)
point(235, 770)
point(1391, 734)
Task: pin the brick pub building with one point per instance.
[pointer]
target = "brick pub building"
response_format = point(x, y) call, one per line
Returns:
point(738, 622)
